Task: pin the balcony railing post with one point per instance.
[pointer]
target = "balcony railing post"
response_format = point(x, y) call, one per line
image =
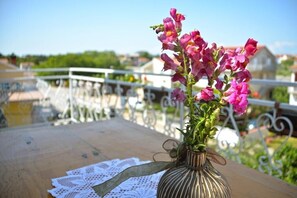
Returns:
point(106, 75)
point(71, 95)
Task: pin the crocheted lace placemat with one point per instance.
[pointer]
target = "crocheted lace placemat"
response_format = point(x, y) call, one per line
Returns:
point(79, 182)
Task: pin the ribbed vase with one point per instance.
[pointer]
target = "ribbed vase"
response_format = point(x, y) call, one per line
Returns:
point(196, 178)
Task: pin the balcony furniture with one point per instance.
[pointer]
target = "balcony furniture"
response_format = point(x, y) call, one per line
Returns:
point(30, 157)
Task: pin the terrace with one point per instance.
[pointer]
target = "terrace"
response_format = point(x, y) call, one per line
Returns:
point(93, 104)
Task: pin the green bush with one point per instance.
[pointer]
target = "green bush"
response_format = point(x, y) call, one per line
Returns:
point(280, 94)
point(288, 156)
point(252, 151)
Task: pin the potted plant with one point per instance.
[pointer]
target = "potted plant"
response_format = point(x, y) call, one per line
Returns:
point(191, 173)
point(227, 77)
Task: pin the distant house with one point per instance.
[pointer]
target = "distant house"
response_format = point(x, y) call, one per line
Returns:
point(133, 60)
point(155, 66)
point(17, 73)
point(16, 99)
point(263, 65)
point(26, 65)
point(5, 65)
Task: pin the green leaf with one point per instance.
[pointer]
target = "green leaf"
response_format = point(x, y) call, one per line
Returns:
point(181, 131)
point(215, 91)
point(226, 78)
point(227, 87)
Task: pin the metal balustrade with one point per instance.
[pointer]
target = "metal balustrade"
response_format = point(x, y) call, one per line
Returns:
point(77, 97)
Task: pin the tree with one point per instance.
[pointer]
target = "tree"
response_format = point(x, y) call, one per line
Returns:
point(92, 59)
point(280, 94)
point(145, 54)
point(283, 69)
point(36, 59)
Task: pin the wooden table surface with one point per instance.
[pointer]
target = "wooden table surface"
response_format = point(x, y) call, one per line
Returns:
point(30, 157)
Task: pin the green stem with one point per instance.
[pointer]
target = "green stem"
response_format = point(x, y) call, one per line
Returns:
point(190, 99)
point(188, 88)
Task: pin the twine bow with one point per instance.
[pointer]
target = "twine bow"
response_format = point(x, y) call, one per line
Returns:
point(176, 150)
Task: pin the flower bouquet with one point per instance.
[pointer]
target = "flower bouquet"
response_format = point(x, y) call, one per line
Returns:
point(191, 173)
point(227, 78)
point(225, 71)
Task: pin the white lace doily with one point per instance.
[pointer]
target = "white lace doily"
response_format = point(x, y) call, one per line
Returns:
point(79, 182)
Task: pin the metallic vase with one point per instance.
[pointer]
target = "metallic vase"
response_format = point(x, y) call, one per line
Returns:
point(195, 178)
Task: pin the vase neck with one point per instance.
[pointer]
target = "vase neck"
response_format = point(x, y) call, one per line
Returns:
point(195, 159)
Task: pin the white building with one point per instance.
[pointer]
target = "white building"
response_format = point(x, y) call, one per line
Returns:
point(263, 65)
point(155, 66)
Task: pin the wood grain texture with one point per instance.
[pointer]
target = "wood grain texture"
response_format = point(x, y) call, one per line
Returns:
point(30, 157)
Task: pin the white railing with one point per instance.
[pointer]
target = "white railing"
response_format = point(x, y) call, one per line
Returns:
point(76, 97)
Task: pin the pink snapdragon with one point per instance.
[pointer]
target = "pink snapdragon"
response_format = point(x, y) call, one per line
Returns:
point(243, 76)
point(168, 62)
point(250, 47)
point(205, 94)
point(193, 44)
point(235, 60)
point(198, 40)
point(239, 58)
point(178, 18)
point(237, 96)
point(219, 84)
point(178, 95)
point(198, 70)
point(179, 77)
point(169, 35)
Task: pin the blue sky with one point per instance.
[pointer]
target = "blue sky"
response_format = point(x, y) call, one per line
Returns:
point(62, 26)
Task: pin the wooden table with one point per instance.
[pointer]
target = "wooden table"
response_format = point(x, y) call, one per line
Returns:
point(30, 157)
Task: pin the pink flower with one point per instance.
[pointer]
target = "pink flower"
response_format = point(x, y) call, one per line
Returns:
point(208, 61)
point(237, 96)
point(169, 35)
point(219, 84)
point(178, 95)
point(205, 94)
point(184, 40)
point(243, 76)
point(236, 60)
point(168, 46)
point(240, 103)
point(193, 52)
point(198, 40)
point(250, 47)
point(178, 18)
point(222, 63)
point(168, 62)
point(178, 77)
point(191, 49)
point(198, 70)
